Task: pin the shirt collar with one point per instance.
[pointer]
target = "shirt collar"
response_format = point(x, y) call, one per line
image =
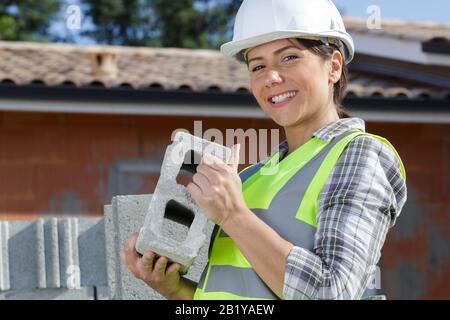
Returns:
point(329, 131)
point(336, 128)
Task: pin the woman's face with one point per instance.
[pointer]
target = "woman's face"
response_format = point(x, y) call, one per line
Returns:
point(291, 84)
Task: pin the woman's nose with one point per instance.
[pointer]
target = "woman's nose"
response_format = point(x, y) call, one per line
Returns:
point(273, 77)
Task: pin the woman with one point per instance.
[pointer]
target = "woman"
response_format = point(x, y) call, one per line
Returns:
point(315, 227)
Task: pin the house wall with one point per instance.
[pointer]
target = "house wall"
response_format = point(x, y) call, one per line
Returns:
point(416, 255)
point(72, 164)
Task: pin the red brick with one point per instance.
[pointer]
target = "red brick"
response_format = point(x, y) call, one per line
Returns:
point(422, 156)
point(16, 182)
point(18, 216)
point(18, 209)
point(428, 186)
point(447, 158)
point(96, 146)
point(13, 119)
point(50, 146)
point(99, 120)
point(32, 145)
point(85, 180)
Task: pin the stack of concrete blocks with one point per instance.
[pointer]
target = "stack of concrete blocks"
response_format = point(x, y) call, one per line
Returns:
point(53, 259)
point(169, 193)
point(79, 258)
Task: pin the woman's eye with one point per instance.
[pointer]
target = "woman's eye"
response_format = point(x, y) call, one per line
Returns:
point(291, 57)
point(259, 67)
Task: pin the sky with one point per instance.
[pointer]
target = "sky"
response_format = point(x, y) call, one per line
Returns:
point(410, 10)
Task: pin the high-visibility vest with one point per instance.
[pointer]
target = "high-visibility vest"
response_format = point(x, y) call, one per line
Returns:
point(286, 201)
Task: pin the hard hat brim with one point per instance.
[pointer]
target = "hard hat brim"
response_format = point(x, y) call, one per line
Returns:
point(233, 48)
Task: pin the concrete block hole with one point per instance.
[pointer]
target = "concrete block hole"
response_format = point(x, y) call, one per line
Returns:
point(177, 215)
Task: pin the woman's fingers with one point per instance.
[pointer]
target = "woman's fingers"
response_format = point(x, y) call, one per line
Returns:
point(129, 254)
point(201, 181)
point(160, 267)
point(148, 260)
point(172, 269)
point(194, 191)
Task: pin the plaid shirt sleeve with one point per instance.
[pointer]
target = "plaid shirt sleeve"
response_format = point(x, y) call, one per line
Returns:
point(359, 203)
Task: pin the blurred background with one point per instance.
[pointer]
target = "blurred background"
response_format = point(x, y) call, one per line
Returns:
point(91, 91)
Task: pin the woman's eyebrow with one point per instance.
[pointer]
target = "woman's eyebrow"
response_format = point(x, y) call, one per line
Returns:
point(274, 53)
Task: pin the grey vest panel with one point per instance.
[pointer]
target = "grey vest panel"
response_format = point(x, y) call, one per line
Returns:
point(245, 283)
point(250, 171)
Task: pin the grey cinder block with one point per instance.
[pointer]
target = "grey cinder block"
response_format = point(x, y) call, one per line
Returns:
point(86, 293)
point(169, 193)
point(124, 216)
point(4, 255)
point(52, 258)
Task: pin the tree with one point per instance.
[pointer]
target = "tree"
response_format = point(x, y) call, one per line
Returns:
point(194, 24)
point(178, 23)
point(27, 20)
point(121, 22)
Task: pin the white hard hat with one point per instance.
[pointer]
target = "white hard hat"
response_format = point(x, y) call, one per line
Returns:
point(262, 21)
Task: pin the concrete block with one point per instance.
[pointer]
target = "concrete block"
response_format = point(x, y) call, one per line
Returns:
point(168, 193)
point(68, 246)
point(4, 256)
point(87, 293)
point(91, 252)
point(48, 258)
point(123, 217)
point(102, 293)
point(24, 248)
point(52, 253)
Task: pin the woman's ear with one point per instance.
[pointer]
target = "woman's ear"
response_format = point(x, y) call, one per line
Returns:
point(336, 62)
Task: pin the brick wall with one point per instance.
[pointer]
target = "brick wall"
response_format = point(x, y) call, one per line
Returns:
point(73, 164)
point(67, 163)
point(416, 256)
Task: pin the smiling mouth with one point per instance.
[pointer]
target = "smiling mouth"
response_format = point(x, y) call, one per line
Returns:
point(284, 97)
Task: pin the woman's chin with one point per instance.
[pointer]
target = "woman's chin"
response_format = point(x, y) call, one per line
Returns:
point(285, 122)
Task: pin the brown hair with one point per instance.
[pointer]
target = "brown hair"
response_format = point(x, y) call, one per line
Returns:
point(325, 51)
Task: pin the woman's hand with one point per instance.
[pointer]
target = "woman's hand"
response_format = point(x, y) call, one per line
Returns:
point(217, 188)
point(162, 278)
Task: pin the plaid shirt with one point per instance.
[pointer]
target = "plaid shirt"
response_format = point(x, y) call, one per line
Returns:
point(359, 203)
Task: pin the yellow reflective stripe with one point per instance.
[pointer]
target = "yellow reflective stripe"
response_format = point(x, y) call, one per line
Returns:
point(226, 252)
point(261, 189)
point(207, 276)
point(254, 177)
point(201, 295)
point(393, 149)
point(307, 211)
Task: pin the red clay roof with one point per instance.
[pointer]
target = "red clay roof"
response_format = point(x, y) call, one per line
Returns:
point(420, 31)
point(54, 64)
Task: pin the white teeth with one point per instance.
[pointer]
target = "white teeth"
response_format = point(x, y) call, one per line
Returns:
point(282, 97)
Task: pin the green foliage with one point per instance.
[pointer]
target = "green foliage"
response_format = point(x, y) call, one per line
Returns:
point(27, 20)
point(167, 23)
point(121, 22)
